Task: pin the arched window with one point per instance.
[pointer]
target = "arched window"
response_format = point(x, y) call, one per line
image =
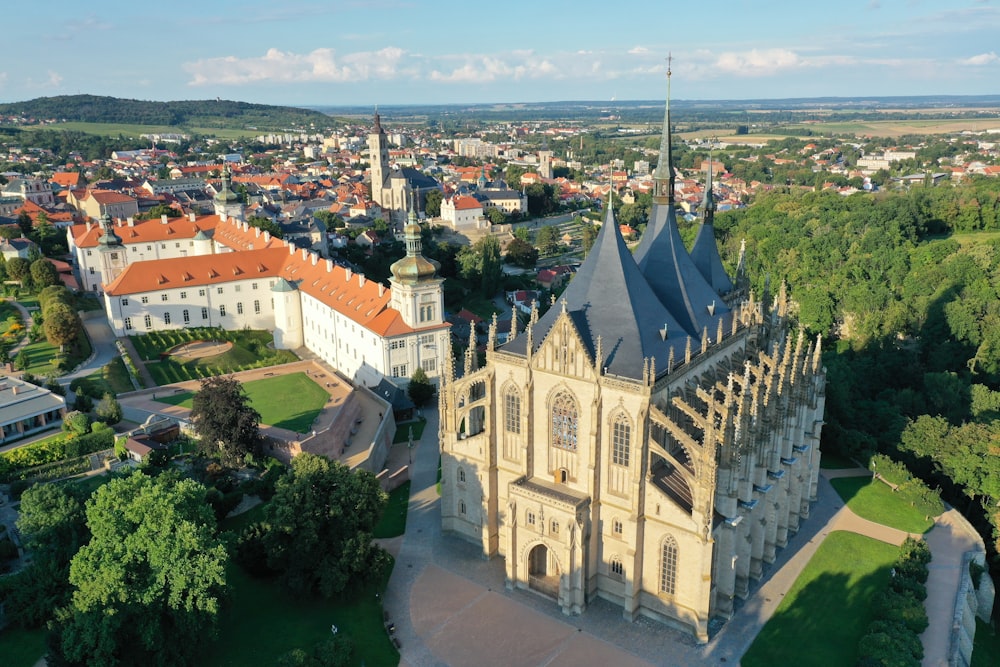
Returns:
point(616, 526)
point(617, 569)
point(461, 507)
point(668, 565)
point(512, 411)
point(564, 421)
point(621, 432)
point(461, 475)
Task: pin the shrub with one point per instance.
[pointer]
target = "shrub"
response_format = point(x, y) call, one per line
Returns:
point(908, 586)
point(77, 423)
point(900, 608)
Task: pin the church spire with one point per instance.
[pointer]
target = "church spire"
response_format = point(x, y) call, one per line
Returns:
point(708, 201)
point(663, 175)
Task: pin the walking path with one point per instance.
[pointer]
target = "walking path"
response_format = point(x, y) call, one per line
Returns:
point(27, 321)
point(451, 607)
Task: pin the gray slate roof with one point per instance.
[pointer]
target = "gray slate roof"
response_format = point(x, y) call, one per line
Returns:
point(675, 279)
point(609, 298)
point(705, 255)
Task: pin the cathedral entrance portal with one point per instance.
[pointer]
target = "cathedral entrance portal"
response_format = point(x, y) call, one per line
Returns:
point(543, 571)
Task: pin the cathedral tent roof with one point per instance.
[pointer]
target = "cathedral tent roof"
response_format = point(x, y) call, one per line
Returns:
point(705, 252)
point(676, 280)
point(610, 299)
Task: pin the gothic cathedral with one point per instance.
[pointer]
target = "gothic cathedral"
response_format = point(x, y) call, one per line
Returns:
point(651, 440)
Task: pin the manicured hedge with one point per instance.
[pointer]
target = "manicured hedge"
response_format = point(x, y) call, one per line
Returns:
point(17, 463)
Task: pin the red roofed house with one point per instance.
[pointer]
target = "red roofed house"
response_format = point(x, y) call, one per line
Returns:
point(96, 203)
point(462, 211)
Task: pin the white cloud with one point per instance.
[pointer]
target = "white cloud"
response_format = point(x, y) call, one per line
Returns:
point(636, 50)
point(486, 68)
point(981, 59)
point(54, 80)
point(758, 62)
point(321, 65)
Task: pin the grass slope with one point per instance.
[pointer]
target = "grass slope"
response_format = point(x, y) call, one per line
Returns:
point(827, 610)
point(877, 502)
point(21, 648)
point(287, 401)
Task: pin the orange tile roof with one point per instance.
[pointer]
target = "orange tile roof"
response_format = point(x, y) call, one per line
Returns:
point(146, 231)
point(108, 196)
point(464, 203)
point(241, 236)
point(67, 179)
point(350, 294)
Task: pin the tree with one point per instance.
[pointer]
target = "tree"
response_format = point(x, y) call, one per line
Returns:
point(266, 225)
point(496, 216)
point(149, 582)
point(25, 223)
point(547, 240)
point(43, 273)
point(18, 268)
point(420, 388)
point(225, 420)
point(521, 253)
point(53, 526)
point(77, 423)
point(62, 325)
point(109, 410)
point(491, 266)
point(321, 519)
point(589, 236)
point(432, 203)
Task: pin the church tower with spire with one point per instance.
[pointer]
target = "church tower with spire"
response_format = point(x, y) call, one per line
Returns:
point(389, 188)
point(642, 441)
point(111, 250)
point(227, 203)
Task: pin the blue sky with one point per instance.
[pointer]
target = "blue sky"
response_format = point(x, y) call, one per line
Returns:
point(440, 51)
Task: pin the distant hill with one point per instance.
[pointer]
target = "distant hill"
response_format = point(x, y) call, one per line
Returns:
point(189, 113)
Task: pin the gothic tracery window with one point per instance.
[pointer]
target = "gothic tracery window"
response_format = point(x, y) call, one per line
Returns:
point(565, 417)
point(621, 433)
point(512, 411)
point(668, 565)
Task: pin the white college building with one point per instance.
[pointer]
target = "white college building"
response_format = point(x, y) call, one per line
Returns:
point(217, 271)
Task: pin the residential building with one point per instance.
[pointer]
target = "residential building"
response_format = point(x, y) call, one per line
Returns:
point(26, 409)
point(462, 211)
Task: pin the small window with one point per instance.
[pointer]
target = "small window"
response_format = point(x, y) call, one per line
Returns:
point(128, 323)
point(177, 245)
point(239, 308)
point(617, 569)
point(429, 365)
point(163, 297)
point(204, 313)
point(531, 518)
point(616, 526)
point(237, 288)
point(187, 316)
point(124, 302)
point(201, 292)
point(461, 507)
point(256, 306)
point(461, 475)
point(145, 299)
point(253, 286)
point(555, 527)
point(166, 318)
point(222, 310)
point(218, 290)
point(184, 295)
point(148, 321)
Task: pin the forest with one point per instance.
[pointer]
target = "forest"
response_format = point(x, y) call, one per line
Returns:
point(903, 287)
point(195, 113)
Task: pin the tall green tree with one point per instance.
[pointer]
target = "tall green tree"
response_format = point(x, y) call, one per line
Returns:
point(432, 203)
point(547, 240)
point(225, 421)
point(19, 269)
point(321, 519)
point(491, 267)
point(43, 273)
point(420, 388)
point(148, 584)
point(62, 325)
point(521, 253)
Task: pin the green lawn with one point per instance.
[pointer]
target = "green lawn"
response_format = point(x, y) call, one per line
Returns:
point(835, 462)
point(250, 350)
point(403, 431)
point(828, 608)
point(877, 502)
point(287, 401)
point(393, 521)
point(21, 648)
point(113, 378)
